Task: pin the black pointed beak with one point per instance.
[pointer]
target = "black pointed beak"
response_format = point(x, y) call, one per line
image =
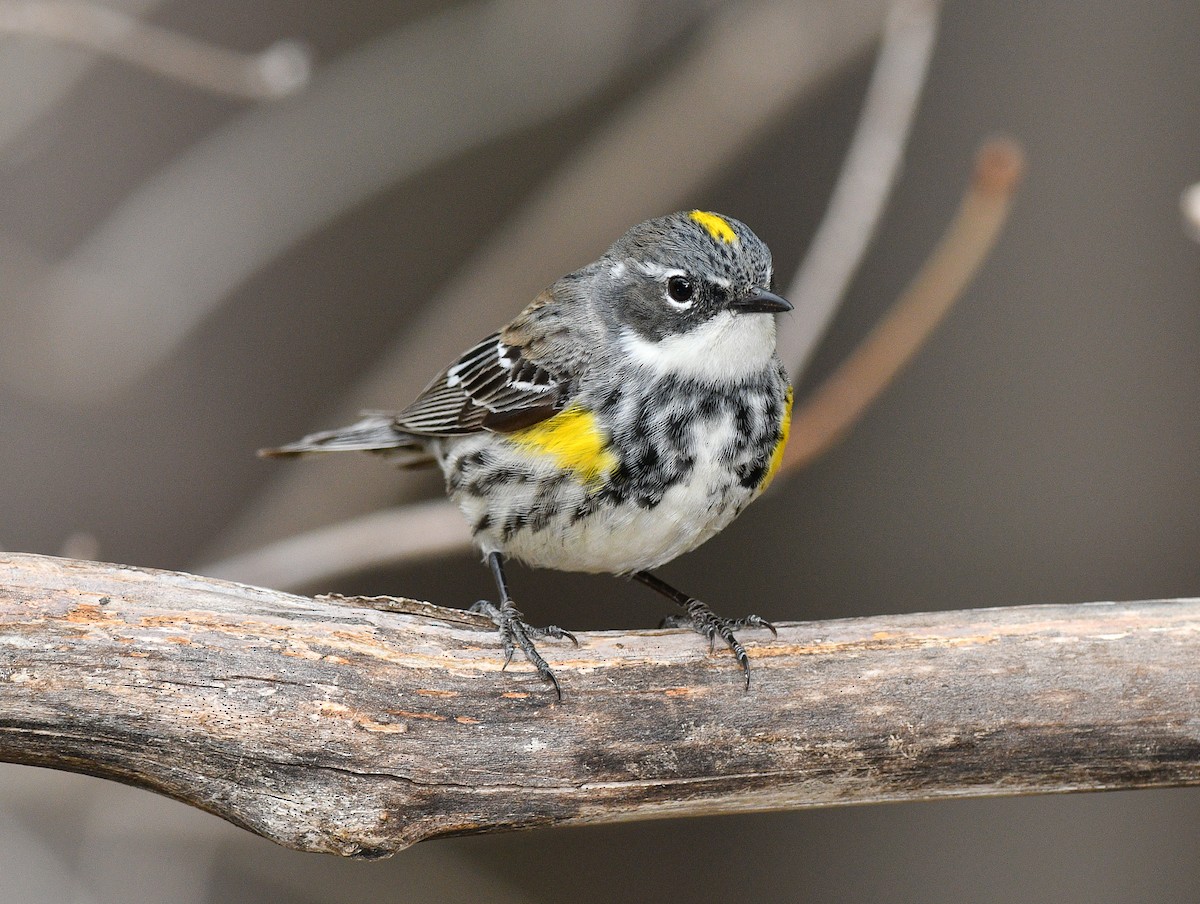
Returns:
point(760, 301)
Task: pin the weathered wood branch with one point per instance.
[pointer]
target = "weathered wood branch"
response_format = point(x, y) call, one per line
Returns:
point(328, 725)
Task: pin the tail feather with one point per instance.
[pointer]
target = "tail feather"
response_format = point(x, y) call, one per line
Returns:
point(376, 432)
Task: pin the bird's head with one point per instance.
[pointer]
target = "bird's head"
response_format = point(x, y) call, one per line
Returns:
point(690, 294)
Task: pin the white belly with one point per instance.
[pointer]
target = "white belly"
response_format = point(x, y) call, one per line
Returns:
point(627, 537)
point(617, 538)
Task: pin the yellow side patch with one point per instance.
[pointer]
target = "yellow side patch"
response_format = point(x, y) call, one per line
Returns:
point(777, 456)
point(716, 226)
point(574, 440)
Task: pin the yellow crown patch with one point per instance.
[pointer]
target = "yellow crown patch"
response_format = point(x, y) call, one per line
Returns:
point(716, 226)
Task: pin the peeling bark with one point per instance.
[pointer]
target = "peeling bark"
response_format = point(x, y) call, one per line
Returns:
point(333, 725)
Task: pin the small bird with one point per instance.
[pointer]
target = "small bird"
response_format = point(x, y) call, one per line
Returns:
point(627, 415)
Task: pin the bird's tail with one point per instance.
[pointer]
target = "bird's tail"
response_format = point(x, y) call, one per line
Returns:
point(376, 432)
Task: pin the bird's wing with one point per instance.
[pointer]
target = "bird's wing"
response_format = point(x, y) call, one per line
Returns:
point(517, 377)
point(493, 386)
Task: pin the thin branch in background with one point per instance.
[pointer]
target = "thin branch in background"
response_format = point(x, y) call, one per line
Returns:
point(277, 72)
point(869, 172)
point(837, 404)
point(1189, 205)
point(329, 727)
point(751, 63)
point(179, 244)
point(33, 83)
point(81, 545)
point(407, 533)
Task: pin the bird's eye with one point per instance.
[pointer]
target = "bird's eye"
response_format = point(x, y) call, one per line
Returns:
point(679, 288)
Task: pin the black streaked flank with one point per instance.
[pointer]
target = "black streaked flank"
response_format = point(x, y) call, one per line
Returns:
point(656, 449)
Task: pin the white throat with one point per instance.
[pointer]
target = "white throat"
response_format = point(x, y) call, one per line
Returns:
point(725, 348)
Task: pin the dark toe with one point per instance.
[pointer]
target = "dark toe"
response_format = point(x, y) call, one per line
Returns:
point(515, 632)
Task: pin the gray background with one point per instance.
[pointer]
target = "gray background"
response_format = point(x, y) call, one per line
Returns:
point(1042, 448)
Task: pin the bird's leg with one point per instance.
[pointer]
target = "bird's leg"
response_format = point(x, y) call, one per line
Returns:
point(514, 630)
point(704, 621)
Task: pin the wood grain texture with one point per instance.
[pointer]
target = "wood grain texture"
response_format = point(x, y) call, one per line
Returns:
point(329, 725)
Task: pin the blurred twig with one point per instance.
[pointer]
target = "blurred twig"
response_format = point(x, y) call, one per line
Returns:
point(1189, 205)
point(406, 533)
point(864, 185)
point(837, 404)
point(277, 72)
point(80, 545)
point(328, 727)
point(42, 81)
point(189, 235)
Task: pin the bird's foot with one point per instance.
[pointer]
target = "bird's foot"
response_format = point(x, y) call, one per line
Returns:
point(516, 632)
point(701, 619)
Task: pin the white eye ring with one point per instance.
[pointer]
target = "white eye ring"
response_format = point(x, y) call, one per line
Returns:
point(659, 272)
point(681, 292)
point(679, 289)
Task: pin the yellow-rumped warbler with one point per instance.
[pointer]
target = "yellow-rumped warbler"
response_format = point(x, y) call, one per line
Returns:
point(623, 418)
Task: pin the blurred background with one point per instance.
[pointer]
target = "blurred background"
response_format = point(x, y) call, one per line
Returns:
point(233, 223)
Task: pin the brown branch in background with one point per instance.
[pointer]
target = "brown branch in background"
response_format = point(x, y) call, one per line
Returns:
point(837, 404)
point(279, 71)
point(330, 726)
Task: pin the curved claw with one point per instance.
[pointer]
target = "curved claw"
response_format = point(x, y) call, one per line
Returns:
point(516, 632)
point(484, 607)
point(560, 633)
point(708, 624)
point(552, 631)
point(547, 675)
point(739, 653)
point(754, 621)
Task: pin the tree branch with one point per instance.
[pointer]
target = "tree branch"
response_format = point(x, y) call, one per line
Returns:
point(329, 725)
point(278, 72)
point(827, 415)
point(864, 185)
